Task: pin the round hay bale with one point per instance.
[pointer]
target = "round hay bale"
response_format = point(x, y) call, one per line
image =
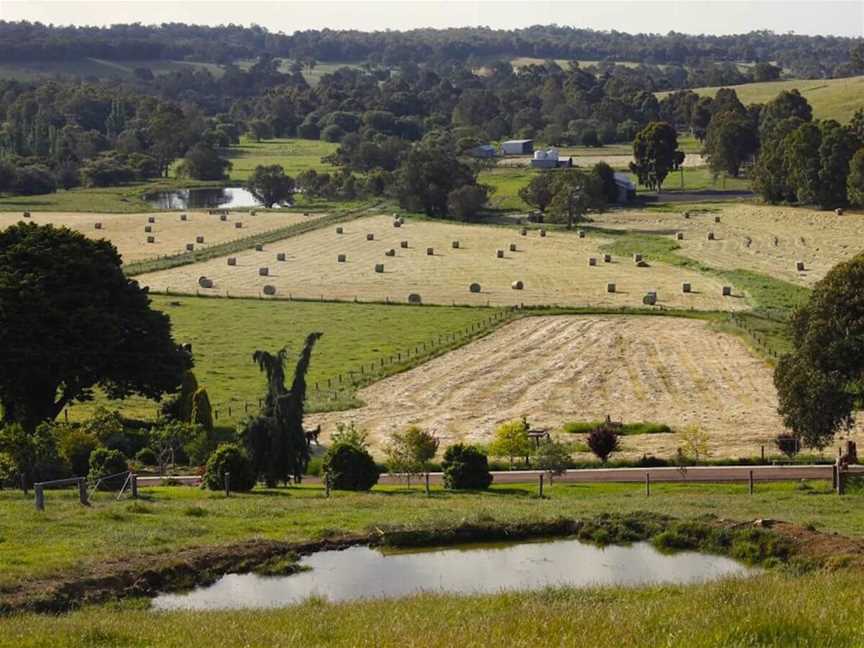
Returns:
point(232, 261)
point(370, 237)
point(680, 236)
point(716, 219)
point(686, 288)
point(592, 261)
point(26, 214)
point(280, 256)
point(710, 236)
point(341, 258)
point(269, 290)
point(799, 266)
point(238, 224)
point(517, 285)
point(839, 211)
point(223, 217)
point(610, 287)
point(403, 245)
point(637, 258)
point(252, 212)
point(151, 219)
point(686, 214)
point(148, 228)
point(339, 230)
point(414, 298)
point(396, 223)
point(499, 254)
point(184, 217)
point(391, 253)
point(455, 245)
point(523, 231)
point(98, 226)
point(199, 239)
point(204, 282)
point(151, 239)
point(727, 291)
point(430, 251)
point(474, 288)
point(379, 267)
point(642, 264)
point(512, 247)
point(607, 258)
point(542, 232)
point(189, 247)
point(259, 248)
point(650, 299)
point(581, 233)
point(263, 272)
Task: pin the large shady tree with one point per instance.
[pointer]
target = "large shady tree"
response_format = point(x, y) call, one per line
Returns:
point(275, 439)
point(71, 321)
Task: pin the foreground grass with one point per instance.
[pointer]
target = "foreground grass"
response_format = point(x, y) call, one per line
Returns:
point(70, 538)
point(225, 332)
point(821, 610)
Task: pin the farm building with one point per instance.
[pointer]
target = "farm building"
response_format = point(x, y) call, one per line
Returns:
point(548, 159)
point(626, 188)
point(517, 147)
point(483, 151)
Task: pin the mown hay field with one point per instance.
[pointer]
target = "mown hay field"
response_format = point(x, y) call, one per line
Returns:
point(582, 368)
point(770, 240)
point(554, 269)
point(171, 234)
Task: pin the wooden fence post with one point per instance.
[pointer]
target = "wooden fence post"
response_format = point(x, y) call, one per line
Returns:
point(134, 486)
point(40, 497)
point(227, 484)
point(428, 492)
point(326, 485)
point(647, 484)
point(750, 481)
point(541, 484)
point(82, 491)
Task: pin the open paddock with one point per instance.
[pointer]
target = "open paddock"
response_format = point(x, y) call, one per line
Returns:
point(770, 240)
point(171, 234)
point(554, 269)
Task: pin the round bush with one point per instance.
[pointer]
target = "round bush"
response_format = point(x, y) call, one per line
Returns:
point(105, 462)
point(230, 458)
point(465, 468)
point(146, 457)
point(349, 467)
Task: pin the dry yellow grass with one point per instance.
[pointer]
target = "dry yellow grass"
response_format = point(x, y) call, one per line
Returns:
point(554, 269)
point(766, 239)
point(559, 369)
point(126, 231)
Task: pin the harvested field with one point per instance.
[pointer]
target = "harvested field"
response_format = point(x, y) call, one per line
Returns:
point(126, 231)
point(766, 239)
point(559, 369)
point(554, 269)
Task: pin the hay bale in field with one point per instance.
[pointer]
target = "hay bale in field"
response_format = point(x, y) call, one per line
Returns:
point(151, 219)
point(686, 214)
point(396, 223)
point(650, 299)
point(223, 217)
point(455, 245)
point(97, 225)
point(259, 248)
point(686, 288)
point(637, 258)
point(263, 272)
point(204, 282)
point(542, 232)
point(642, 264)
point(680, 236)
point(280, 256)
point(610, 287)
point(391, 253)
point(341, 258)
point(592, 261)
point(403, 245)
point(512, 247)
point(414, 298)
point(199, 239)
point(189, 247)
point(370, 237)
point(727, 291)
point(710, 236)
point(499, 254)
point(148, 228)
point(839, 211)
point(716, 219)
point(799, 266)
point(238, 225)
point(232, 261)
point(252, 212)
point(339, 230)
point(379, 267)
point(151, 239)
point(524, 231)
point(269, 290)
point(430, 251)
point(184, 217)
point(581, 233)
point(474, 288)
point(607, 258)
point(26, 214)
point(517, 285)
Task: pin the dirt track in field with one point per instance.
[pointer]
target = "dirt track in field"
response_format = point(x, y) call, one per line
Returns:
point(560, 369)
point(126, 231)
point(762, 238)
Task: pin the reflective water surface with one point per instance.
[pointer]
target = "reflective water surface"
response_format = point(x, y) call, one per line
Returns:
point(203, 198)
point(361, 572)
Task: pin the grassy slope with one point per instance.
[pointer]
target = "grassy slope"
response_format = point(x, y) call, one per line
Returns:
point(831, 98)
point(94, 67)
point(225, 332)
point(295, 155)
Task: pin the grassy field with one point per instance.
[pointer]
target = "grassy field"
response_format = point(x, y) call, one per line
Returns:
point(100, 68)
point(294, 155)
point(831, 98)
point(225, 332)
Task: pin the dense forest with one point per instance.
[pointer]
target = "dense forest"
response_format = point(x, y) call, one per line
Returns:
point(802, 56)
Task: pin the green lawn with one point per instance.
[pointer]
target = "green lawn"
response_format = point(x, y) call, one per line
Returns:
point(507, 181)
point(100, 68)
point(225, 332)
point(295, 155)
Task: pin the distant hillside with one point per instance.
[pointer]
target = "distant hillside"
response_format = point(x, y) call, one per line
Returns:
point(831, 98)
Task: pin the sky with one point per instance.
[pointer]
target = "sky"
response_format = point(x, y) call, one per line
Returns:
point(828, 17)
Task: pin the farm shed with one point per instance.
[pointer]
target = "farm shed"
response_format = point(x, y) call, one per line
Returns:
point(483, 151)
point(517, 147)
point(626, 188)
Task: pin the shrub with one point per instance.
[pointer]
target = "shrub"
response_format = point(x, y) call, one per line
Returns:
point(511, 440)
point(34, 180)
point(75, 446)
point(104, 462)
point(465, 467)
point(553, 457)
point(350, 467)
point(602, 441)
point(788, 444)
point(230, 458)
point(410, 452)
point(202, 412)
point(146, 457)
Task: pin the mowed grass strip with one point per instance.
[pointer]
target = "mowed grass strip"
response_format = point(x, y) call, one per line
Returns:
point(225, 332)
point(294, 155)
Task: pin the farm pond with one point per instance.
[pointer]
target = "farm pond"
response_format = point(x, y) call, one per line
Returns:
point(203, 198)
point(363, 572)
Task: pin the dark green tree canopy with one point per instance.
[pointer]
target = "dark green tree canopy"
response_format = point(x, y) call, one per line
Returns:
point(270, 185)
point(655, 154)
point(70, 320)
